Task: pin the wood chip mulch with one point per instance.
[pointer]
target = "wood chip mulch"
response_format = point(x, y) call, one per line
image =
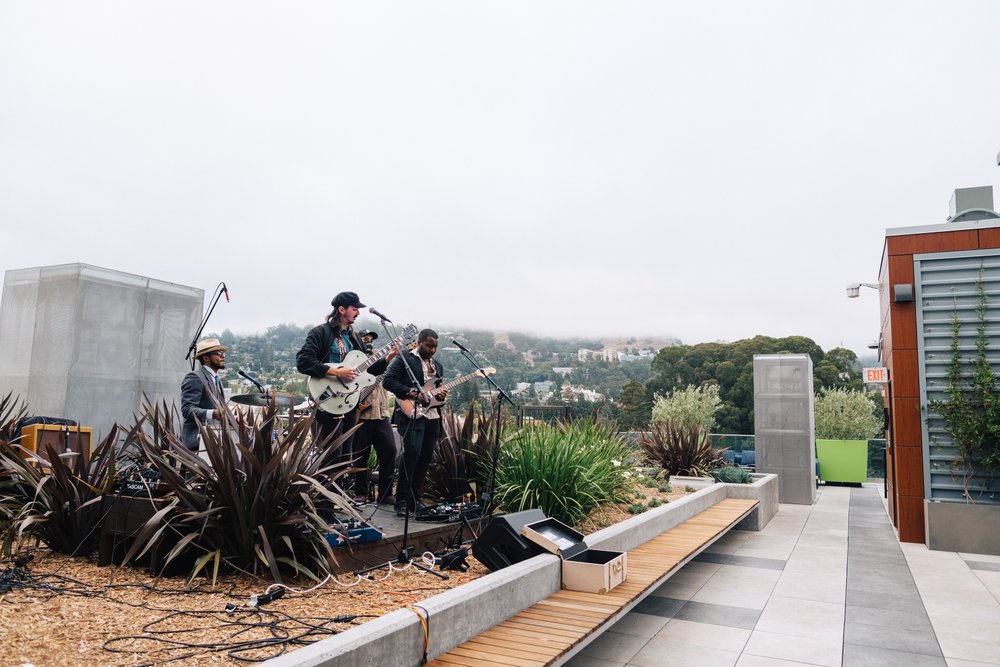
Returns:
point(69, 611)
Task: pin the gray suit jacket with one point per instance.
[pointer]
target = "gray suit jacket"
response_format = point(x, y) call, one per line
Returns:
point(196, 400)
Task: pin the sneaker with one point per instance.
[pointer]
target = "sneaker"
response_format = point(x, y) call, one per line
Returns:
point(360, 500)
point(401, 509)
point(388, 500)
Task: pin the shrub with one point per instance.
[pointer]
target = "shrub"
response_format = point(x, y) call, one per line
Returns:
point(262, 501)
point(689, 489)
point(654, 502)
point(846, 414)
point(636, 508)
point(56, 499)
point(680, 450)
point(664, 488)
point(463, 456)
point(732, 475)
point(566, 470)
point(687, 408)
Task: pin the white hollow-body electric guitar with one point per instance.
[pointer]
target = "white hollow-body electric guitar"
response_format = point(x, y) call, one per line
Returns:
point(338, 397)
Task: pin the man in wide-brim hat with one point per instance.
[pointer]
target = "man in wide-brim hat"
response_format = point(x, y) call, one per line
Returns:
point(202, 396)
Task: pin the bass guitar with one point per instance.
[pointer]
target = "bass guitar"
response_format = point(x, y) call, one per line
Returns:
point(414, 408)
point(337, 397)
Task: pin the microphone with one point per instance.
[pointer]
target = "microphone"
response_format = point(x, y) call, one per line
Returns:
point(379, 315)
point(226, 291)
point(252, 379)
point(460, 346)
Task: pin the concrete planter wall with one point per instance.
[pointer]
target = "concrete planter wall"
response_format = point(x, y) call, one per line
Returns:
point(466, 611)
point(961, 527)
point(683, 481)
point(763, 488)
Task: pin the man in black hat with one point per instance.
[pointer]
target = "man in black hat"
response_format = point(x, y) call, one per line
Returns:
point(373, 413)
point(330, 343)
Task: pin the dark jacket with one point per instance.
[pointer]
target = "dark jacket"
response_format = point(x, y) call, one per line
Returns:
point(196, 400)
point(397, 380)
point(314, 354)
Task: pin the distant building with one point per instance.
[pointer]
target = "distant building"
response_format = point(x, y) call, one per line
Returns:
point(562, 370)
point(607, 354)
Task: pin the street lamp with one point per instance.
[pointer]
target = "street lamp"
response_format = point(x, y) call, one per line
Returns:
point(854, 289)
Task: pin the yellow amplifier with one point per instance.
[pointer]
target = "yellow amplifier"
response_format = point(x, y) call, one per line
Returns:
point(63, 439)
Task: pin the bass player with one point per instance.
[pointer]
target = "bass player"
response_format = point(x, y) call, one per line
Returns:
point(421, 432)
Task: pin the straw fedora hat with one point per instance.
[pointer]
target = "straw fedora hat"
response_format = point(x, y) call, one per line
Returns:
point(208, 345)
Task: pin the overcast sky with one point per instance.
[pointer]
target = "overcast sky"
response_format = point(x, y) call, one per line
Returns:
point(705, 170)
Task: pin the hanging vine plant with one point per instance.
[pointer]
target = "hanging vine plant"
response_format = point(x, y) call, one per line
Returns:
point(971, 413)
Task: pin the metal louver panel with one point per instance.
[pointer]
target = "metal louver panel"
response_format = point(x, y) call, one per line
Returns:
point(945, 286)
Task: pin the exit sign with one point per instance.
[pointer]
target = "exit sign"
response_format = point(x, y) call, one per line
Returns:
point(875, 375)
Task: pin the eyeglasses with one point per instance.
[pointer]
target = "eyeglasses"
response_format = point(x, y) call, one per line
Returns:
point(218, 354)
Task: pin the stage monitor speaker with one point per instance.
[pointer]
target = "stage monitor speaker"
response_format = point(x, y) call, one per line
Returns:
point(501, 543)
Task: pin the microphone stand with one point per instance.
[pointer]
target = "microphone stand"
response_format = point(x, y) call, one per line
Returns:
point(405, 556)
point(487, 497)
point(219, 290)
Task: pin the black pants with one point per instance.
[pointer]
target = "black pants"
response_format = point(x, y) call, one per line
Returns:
point(377, 432)
point(420, 436)
point(329, 426)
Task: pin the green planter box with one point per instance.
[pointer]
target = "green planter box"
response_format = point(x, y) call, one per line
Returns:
point(842, 460)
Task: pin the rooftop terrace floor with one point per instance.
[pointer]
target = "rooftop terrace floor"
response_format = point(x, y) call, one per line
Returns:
point(827, 584)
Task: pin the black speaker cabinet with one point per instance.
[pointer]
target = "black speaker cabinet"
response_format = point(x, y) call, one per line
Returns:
point(501, 543)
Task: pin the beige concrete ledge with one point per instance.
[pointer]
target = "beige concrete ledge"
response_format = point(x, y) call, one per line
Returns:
point(396, 639)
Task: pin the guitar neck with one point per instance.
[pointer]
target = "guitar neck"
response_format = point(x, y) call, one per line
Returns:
point(459, 380)
point(367, 391)
point(377, 356)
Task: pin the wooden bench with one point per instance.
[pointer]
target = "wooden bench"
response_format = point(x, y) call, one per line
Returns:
point(553, 630)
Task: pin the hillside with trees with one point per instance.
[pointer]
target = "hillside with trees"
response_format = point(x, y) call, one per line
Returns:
point(623, 374)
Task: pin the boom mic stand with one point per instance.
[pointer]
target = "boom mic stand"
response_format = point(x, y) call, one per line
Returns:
point(219, 291)
point(405, 556)
point(487, 497)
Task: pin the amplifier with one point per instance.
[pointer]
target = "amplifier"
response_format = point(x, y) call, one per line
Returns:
point(140, 487)
point(64, 439)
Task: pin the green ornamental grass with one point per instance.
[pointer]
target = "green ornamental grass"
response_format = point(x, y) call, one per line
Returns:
point(566, 470)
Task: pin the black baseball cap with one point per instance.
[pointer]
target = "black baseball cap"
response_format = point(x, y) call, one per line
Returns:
point(347, 299)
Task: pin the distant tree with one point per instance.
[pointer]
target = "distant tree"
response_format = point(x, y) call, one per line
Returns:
point(847, 414)
point(227, 338)
point(731, 366)
point(688, 407)
point(635, 407)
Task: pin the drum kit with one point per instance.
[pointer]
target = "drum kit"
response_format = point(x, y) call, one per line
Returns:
point(263, 400)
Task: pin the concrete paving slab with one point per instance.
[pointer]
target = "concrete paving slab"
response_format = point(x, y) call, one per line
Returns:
point(731, 597)
point(703, 612)
point(641, 625)
point(911, 618)
point(802, 618)
point(704, 634)
point(866, 656)
point(797, 649)
point(747, 660)
point(896, 639)
point(664, 653)
point(615, 646)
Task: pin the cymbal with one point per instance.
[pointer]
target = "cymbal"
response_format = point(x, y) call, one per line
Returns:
point(261, 400)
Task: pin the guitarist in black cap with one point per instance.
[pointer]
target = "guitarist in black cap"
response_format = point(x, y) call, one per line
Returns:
point(329, 343)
